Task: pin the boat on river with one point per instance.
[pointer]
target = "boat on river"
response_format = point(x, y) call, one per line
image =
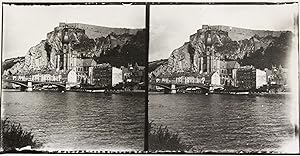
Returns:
point(96, 91)
point(239, 93)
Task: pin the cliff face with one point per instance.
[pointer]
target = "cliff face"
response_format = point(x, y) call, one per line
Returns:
point(93, 31)
point(122, 49)
point(229, 43)
point(9, 63)
point(85, 41)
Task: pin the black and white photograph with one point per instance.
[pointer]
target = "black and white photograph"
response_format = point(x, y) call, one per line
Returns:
point(223, 78)
point(150, 77)
point(73, 77)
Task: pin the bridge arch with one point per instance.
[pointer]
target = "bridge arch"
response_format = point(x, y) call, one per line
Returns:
point(192, 85)
point(165, 86)
point(21, 83)
point(49, 83)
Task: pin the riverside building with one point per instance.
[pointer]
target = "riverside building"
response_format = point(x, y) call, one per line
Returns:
point(248, 78)
point(104, 75)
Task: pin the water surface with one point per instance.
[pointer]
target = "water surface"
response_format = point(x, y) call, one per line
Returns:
point(79, 121)
point(225, 122)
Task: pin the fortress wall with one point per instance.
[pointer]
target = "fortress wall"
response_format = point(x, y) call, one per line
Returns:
point(239, 33)
point(97, 31)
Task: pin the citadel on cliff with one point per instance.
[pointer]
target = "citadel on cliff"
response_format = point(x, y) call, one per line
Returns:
point(73, 53)
point(215, 55)
point(69, 41)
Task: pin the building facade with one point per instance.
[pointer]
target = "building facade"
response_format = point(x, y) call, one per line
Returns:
point(104, 75)
point(248, 78)
point(133, 73)
point(101, 75)
point(261, 78)
point(116, 76)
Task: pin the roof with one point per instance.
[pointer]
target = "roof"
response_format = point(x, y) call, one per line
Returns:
point(231, 64)
point(140, 67)
point(87, 62)
point(185, 74)
point(246, 68)
point(208, 76)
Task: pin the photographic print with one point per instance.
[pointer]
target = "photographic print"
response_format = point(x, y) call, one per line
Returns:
point(223, 78)
point(73, 77)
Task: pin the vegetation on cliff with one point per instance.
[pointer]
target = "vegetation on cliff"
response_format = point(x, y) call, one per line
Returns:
point(275, 54)
point(131, 51)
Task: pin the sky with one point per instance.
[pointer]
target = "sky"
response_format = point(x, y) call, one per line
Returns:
point(26, 26)
point(171, 26)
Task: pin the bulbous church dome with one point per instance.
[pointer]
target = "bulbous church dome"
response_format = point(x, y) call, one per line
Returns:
point(66, 38)
point(208, 40)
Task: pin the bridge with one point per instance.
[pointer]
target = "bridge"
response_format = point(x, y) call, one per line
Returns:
point(172, 87)
point(28, 85)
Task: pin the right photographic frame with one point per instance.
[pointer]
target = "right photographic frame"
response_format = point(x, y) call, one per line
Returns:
point(223, 78)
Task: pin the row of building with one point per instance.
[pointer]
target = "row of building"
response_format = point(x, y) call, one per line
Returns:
point(89, 73)
point(236, 76)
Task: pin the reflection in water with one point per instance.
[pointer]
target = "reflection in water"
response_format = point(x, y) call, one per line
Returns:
point(225, 122)
point(80, 121)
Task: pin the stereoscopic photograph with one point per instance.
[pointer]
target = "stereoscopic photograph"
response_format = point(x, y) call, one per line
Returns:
point(73, 77)
point(223, 78)
point(212, 78)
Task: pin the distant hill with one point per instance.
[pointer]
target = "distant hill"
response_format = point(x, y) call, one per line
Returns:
point(8, 63)
point(155, 64)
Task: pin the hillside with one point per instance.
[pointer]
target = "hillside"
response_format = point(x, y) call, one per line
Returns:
point(259, 48)
point(118, 46)
point(9, 63)
point(155, 64)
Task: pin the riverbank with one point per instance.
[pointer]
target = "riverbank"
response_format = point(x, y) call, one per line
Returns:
point(226, 93)
point(252, 93)
point(84, 91)
point(154, 92)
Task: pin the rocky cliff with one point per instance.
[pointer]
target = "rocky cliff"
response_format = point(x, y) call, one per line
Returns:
point(9, 63)
point(101, 43)
point(93, 31)
point(264, 48)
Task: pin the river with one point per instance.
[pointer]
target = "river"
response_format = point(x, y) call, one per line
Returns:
point(79, 121)
point(226, 123)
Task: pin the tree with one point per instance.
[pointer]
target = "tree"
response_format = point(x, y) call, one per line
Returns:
point(14, 136)
point(161, 139)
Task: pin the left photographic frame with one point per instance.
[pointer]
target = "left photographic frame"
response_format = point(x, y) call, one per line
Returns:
point(73, 77)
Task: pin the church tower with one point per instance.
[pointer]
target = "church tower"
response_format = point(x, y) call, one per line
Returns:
point(206, 59)
point(65, 49)
point(63, 58)
point(208, 51)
